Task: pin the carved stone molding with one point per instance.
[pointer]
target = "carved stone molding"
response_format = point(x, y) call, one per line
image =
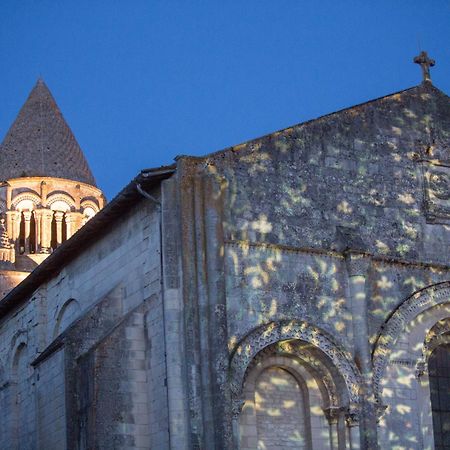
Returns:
point(437, 193)
point(236, 407)
point(438, 335)
point(273, 332)
point(305, 356)
point(413, 306)
point(353, 415)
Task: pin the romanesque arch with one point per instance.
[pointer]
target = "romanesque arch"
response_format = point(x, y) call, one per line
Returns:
point(60, 198)
point(411, 308)
point(68, 312)
point(322, 376)
point(400, 359)
point(28, 197)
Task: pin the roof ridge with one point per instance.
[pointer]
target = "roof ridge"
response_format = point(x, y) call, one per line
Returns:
point(307, 122)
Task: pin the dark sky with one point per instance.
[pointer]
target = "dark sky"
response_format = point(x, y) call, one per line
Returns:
point(140, 82)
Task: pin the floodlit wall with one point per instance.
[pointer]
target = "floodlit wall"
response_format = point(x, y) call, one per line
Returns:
point(327, 229)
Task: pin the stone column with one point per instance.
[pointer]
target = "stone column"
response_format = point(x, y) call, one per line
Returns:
point(46, 230)
point(332, 414)
point(354, 439)
point(27, 218)
point(74, 221)
point(37, 219)
point(59, 224)
point(13, 224)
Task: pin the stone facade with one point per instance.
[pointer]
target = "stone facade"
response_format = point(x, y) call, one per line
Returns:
point(290, 292)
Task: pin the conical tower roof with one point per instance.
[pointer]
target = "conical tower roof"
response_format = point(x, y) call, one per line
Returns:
point(40, 143)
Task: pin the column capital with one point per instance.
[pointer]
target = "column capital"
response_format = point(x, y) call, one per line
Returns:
point(27, 215)
point(13, 214)
point(59, 215)
point(332, 414)
point(353, 416)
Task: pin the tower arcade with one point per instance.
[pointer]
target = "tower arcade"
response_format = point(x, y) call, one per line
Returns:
point(47, 190)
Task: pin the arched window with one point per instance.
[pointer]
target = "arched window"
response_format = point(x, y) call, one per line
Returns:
point(67, 314)
point(22, 234)
point(439, 375)
point(22, 405)
point(27, 226)
point(283, 407)
point(59, 225)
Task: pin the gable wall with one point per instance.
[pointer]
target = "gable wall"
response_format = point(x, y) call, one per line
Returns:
point(297, 199)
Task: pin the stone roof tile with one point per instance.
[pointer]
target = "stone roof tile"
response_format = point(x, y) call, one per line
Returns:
point(40, 143)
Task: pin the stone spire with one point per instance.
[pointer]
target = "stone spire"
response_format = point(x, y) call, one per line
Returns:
point(40, 143)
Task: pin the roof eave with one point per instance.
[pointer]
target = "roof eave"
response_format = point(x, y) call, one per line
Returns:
point(51, 266)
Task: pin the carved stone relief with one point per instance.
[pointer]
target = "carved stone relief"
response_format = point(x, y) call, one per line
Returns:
point(437, 192)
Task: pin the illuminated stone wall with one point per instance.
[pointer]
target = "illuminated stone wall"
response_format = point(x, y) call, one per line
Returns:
point(325, 230)
point(285, 293)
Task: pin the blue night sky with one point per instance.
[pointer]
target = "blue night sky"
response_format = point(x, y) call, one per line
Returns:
point(140, 82)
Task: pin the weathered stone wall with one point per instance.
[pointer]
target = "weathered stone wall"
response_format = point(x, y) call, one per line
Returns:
point(335, 223)
point(120, 272)
point(352, 179)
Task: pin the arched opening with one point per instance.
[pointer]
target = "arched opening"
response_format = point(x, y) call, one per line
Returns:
point(32, 241)
point(21, 407)
point(439, 379)
point(53, 241)
point(282, 411)
point(67, 314)
point(22, 234)
point(323, 406)
point(59, 224)
point(290, 401)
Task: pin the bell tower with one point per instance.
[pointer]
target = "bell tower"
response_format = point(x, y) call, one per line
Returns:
point(47, 191)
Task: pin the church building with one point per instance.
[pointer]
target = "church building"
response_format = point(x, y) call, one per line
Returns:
point(291, 292)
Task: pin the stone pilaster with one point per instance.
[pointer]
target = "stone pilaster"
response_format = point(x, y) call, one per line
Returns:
point(357, 268)
point(352, 420)
point(44, 193)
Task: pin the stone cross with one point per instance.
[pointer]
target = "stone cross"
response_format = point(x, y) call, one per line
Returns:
point(425, 63)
